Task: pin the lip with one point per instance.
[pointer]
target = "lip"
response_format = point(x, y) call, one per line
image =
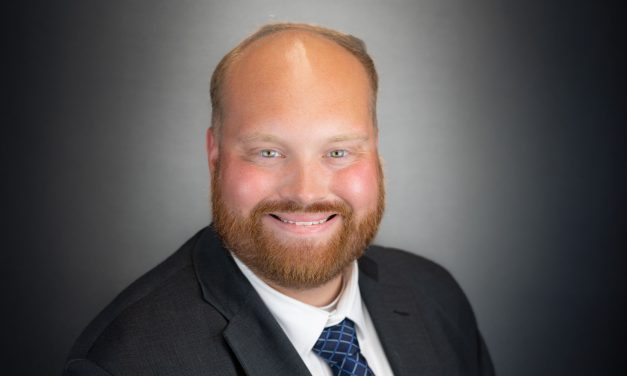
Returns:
point(302, 224)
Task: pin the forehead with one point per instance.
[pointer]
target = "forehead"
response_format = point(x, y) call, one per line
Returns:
point(288, 73)
point(292, 50)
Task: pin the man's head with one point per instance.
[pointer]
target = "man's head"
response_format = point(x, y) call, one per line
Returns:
point(297, 188)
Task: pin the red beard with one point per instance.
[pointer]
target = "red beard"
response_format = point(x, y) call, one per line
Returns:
point(286, 262)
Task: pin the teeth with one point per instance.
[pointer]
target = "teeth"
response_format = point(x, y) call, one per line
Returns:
point(304, 223)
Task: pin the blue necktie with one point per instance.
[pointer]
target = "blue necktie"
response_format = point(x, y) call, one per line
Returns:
point(338, 347)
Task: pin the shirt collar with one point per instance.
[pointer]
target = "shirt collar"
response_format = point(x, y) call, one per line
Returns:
point(303, 323)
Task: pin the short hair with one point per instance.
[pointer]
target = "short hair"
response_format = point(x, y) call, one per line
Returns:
point(349, 42)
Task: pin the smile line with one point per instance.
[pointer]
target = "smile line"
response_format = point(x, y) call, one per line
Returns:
point(298, 223)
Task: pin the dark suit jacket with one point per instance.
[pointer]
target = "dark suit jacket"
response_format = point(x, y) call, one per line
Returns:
point(196, 314)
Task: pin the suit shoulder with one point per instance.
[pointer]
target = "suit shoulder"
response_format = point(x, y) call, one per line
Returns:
point(446, 313)
point(160, 322)
point(427, 278)
point(145, 291)
point(410, 265)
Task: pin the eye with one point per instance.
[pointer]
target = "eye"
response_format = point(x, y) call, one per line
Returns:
point(338, 153)
point(269, 153)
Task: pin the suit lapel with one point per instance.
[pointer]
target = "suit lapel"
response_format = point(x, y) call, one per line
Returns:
point(253, 334)
point(260, 344)
point(398, 321)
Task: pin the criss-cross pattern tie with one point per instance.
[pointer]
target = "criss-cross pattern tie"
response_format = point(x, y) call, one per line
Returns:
point(338, 347)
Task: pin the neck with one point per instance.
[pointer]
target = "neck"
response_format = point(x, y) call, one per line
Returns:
point(319, 296)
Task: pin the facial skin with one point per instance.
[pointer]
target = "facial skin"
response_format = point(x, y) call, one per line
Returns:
point(297, 187)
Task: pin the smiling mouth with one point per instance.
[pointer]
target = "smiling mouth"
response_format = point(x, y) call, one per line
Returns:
point(303, 223)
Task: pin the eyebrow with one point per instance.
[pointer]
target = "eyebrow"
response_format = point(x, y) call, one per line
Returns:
point(272, 138)
point(349, 137)
point(259, 137)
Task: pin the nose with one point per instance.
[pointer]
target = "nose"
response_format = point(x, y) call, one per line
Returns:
point(305, 183)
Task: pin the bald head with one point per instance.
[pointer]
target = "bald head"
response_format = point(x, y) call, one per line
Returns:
point(292, 59)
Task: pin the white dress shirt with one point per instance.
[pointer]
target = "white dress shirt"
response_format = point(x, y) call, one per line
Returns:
point(303, 323)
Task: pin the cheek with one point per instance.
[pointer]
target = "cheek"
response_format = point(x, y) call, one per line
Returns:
point(243, 186)
point(358, 185)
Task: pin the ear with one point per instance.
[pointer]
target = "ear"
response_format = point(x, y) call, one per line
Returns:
point(376, 137)
point(213, 149)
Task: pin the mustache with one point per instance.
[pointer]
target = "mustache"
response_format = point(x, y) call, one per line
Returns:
point(267, 207)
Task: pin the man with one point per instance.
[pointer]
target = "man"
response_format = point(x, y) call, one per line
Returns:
point(273, 286)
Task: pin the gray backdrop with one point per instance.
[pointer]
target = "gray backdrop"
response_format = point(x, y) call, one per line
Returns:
point(500, 133)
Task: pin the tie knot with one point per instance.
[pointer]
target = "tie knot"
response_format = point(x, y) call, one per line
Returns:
point(338, 346)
